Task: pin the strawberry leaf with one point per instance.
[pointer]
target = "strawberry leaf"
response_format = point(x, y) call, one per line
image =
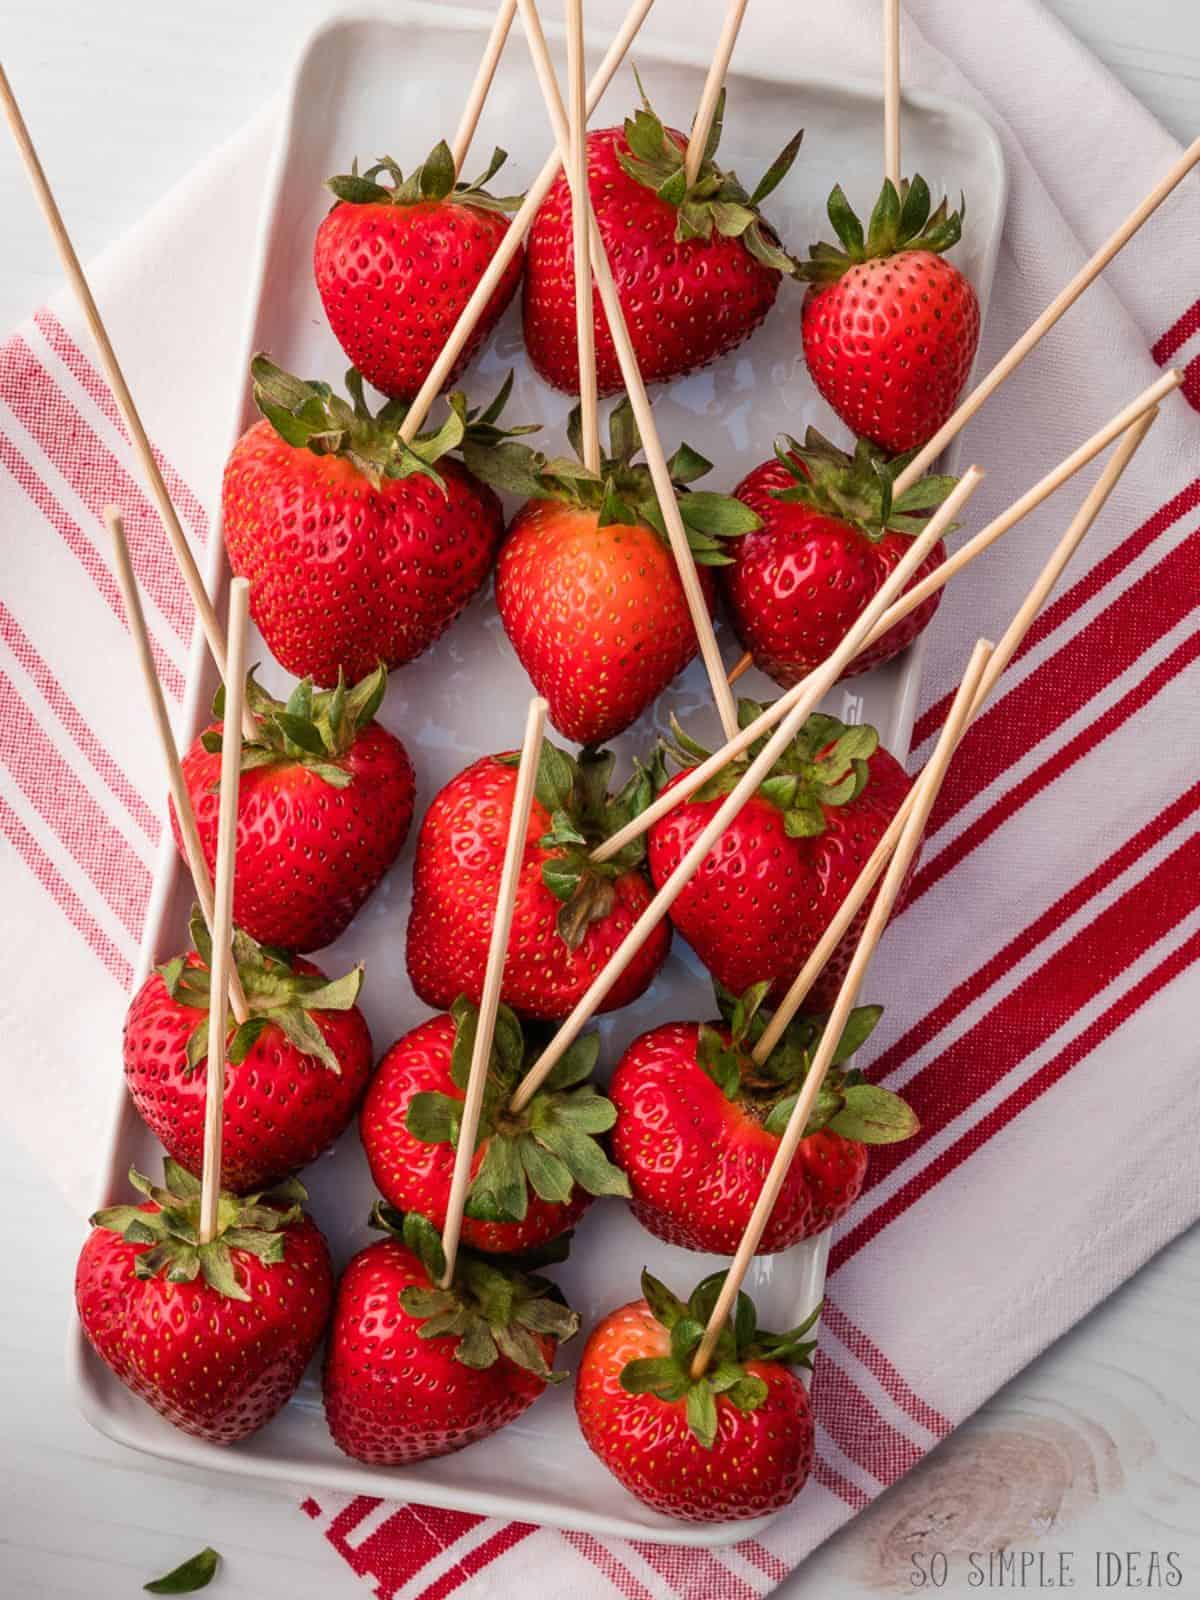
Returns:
point(195, 1573)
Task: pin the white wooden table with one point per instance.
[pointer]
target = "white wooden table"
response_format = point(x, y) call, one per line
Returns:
point(1094, 1449)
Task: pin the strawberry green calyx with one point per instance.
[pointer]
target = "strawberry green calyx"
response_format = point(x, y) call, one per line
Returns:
point(900, 221)
point(669, 1377)
point(309, 416)
point(716, 201)
point(276, 993)
point(846, 1104)
point(253, 1222)
point(858, 489)
point(312, 729)
point(550, 1146)
point(492, 1307)
point(435, 179)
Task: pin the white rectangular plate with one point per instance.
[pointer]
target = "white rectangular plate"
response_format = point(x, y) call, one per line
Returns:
point(370, 85)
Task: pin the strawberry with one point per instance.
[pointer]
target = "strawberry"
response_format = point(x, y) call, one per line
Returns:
point(534, 1172)
point(766, 891)
point(699, 1123)
point(696, 269)
point(830, 535)
point(889, 327)
point(325, 801)
point(413, 1370)
point(396, 263)
point(296, 1068)
point(571, 913)
point(588, 589)
point(358, 547)
point(734, 1443)
point(214, 1336)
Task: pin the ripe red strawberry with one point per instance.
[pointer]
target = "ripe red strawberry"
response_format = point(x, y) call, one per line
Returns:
point(696, 269)
point(534, 1172)
point(296, 1068)
point(830, 535)
point(325, 801)
point(215, 1337)
point(766, 891)
point(570, 915)
point(889, 327)
point(589, 591)
point(699, 1123)
point(396, 263)
point(735, 1443)
point(413, 1370)
point(358, 548)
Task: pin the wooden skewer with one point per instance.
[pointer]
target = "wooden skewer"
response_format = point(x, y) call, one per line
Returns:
point(891, 91)
point(192, 847)
point(116, 381)
point(656, 459)
point(222, 923)
point(927, 789)
point(1061, 303)
point(489, 1003)
point(480, 88)
point(438, 374)
point(585, 330)
point(711, 94)
point(1008, 646)
point(758, 769)
point(694, 777)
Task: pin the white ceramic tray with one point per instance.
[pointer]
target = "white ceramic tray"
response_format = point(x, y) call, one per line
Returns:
point(392, 83)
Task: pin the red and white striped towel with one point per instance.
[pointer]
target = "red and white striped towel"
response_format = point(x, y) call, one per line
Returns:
point(1039, 984)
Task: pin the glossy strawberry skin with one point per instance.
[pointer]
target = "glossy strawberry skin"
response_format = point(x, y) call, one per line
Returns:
point(415, 1176)
point(344, 574)
point(282, 1109)
point(890, 345)
point(798, 584)
point(597, 616)
point(760, 901)
point(686, 303)
point(759, 1462)
point(217, 1368)
point(393, 280)
point(456, 876)
point(308, 854)
point(393, 1397)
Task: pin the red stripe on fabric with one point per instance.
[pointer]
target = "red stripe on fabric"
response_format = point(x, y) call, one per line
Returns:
point(1190, 387)
point(759, 1556)
point(830, 1478)
point(695, 1572)
point(1063, 759)
point(889, 1378)
point(396, 1551)
point(490, 1550)
point(97, 389)
point(63, 803)
point(64, 897)
point(85, 553)
point(76, 725)
point(1097, 577)
point(95, 475)
point(1177, 335)
point(1028, 1015)
point(1120, 1012)
point(603, 1559)
point(858, 1428)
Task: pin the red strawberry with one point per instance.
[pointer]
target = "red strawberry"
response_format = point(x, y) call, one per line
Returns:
point(296, 1068)
point(396, 263)
point(325, 801)
point(413, 1370)
point(830, 535)
point(215, 1337)
point(696, 269)
point(588, 589)
point(358, 548)
point(766, 891)
point(699, 1123)
point(534, 1173)
point(735, 1443)
point(571, 914)
point(890, 328)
